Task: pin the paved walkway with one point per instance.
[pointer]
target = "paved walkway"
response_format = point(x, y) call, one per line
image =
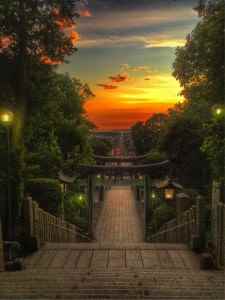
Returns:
point(119, 220)
point(110, 256)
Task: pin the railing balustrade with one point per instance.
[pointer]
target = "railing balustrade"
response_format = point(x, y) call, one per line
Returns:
point(220, 238)
point(172, 232)
point(44, 227)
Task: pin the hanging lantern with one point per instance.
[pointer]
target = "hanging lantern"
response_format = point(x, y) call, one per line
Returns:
point(169, 193)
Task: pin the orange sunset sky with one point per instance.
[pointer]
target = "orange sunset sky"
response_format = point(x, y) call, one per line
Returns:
point(125, 54)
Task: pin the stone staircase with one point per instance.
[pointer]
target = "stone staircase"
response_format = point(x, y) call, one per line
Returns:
point(112, 271)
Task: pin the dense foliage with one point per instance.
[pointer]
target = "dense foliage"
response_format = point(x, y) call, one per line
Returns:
point(47, 193)
point(34, 36)
point(101, 146)
point(50, 131)
point(192, 134)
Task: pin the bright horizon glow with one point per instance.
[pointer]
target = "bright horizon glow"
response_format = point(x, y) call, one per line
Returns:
point(135, 101)
point(125, 53)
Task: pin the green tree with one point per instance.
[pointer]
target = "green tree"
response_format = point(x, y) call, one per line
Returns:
point(199, 67)
point(214, 146)
point(32, 35)
point(57, 129)
point(146, 136)
point(182, 142)
point(101, 146)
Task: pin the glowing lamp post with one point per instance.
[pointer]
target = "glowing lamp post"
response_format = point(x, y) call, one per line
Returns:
point(7, 119)
point(218, 111)
point(169, 193)
point(170, 190)
point(81, 197)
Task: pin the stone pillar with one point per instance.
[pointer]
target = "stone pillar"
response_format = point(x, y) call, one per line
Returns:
point(90, 204)
point(1, 249)
point(147, 204)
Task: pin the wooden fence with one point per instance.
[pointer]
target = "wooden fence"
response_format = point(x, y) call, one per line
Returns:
point(44, 227)
point(220, 235)
point(218, 223)
point(182, 232)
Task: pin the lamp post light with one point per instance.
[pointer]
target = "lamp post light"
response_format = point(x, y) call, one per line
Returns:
point(169, 193)
point(218, 110)
point(81, 198)
point(170, 190)
point(7, 119)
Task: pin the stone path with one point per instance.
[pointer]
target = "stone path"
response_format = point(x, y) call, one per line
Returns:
point(113, 256)
point(119, 220)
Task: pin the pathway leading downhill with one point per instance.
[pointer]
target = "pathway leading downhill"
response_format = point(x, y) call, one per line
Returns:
point(119, 220)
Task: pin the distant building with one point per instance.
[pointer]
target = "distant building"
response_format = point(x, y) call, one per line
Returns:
point(121, 140)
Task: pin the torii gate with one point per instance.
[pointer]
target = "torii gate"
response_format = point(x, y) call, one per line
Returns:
point(149, 171)
point(119, 159)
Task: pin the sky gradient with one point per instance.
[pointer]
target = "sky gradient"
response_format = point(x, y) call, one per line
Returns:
point(125, 53)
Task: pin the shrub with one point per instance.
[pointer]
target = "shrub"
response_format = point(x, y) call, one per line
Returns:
point(47, 192)
point(162, 214)
point(76, 208)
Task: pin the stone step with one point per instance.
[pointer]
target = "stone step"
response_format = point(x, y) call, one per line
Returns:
point(115, 245)
point(105, 256)
point(131, 284)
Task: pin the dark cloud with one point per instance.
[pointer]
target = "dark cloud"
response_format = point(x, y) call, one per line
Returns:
point(135, 4)
point(118, 78)
point(107, 86)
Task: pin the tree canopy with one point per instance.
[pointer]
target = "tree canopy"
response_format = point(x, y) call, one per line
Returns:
point(192, 134)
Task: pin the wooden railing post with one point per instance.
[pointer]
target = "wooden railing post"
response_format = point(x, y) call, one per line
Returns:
point(1, 249)
point(30, 224)
point(147, 204)
point(90, 204)
point(218, 225)
point(101, 192)
point(138, 193)
point(201, 222)
point(214, 216)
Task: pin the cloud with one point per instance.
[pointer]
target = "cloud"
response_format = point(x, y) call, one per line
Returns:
point(85, 13)
point(118, 78)
point(127, 20)
point(165, 43)
point(137, 69)
point(48, 61)
point(107, 86)
point(148, 28)
point(82, 8)
point(144, 41)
